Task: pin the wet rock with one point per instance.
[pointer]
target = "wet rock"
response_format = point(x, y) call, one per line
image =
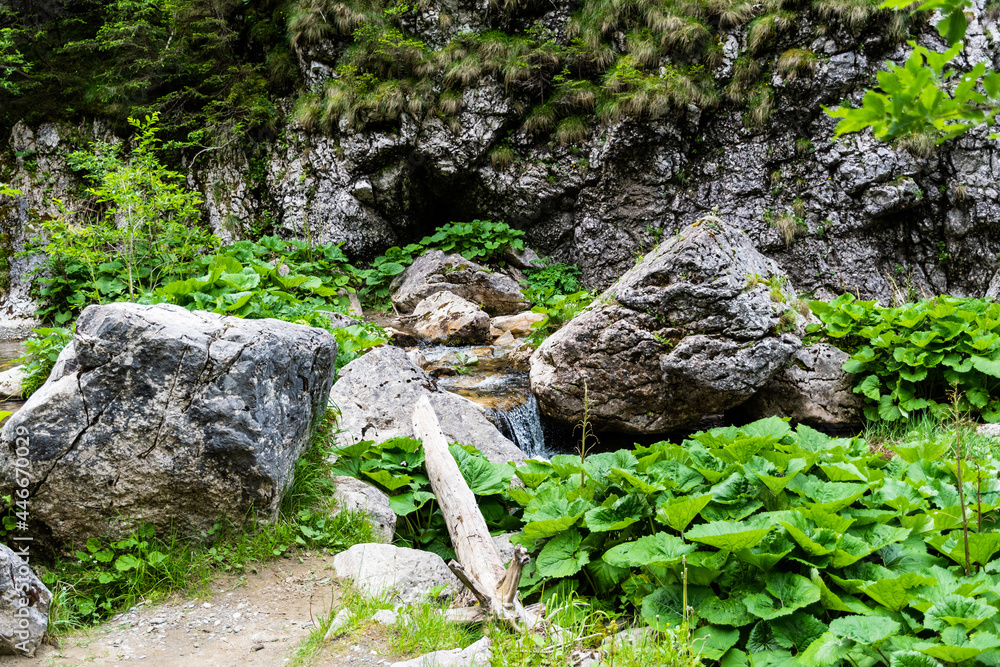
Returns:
point(476, 655)
point(353, 495)
point(518, 325)
point(376, 395)
point(435, 272)
point(161, 415)
point(11, 381)
point(812, 389)
point(24, 604)
point(444, 317)
point(407, 575)
point(695, 328)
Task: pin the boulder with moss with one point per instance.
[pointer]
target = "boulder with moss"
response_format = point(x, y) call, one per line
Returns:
point(699, 326)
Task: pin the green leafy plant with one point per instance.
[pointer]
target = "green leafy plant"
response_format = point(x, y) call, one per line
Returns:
point(396, 467)
point(558, 310)
point(546, 279)
point(481, 241)
point(796, 548)
point(905, 359)
point(40, 354)
point(928, 96)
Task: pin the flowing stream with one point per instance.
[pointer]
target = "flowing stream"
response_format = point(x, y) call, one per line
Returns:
point(9, 351)
point(503, 391)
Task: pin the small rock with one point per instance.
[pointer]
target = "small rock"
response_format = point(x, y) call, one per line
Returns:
point(11, 381)
point(342, 618)
point(257, 647)
point(385, 617)
point(353, 495)
point(444, 317)
point(517, 325)
point(434, 271)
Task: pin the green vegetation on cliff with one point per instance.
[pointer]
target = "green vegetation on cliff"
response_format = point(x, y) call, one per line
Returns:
point(218, 67)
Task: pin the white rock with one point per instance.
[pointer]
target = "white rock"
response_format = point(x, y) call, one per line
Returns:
point(444, 317)
point(476, 655)
point(11, 381)
point(338, 623)
point(517, 325)
point(385, 617)
point(380, 570)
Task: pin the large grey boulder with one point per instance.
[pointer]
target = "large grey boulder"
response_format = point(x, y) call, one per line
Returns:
point(444, 317)
point(161, 415)
point(812, 389)
point(406, 575)
point(695, 328)
point(353, 495)
point(24, 603)
point(376, 395)
point(434, 271)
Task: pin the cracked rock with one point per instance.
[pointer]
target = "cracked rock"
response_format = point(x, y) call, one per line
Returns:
point(157, 414)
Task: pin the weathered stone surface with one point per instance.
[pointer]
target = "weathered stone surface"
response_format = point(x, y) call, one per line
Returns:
point(376, 395)
point(518, 325)
point(444, 317)
point(692, 330)
point(812, 389)
point(437, 272)
point(353, 495)
point(24, 605)
point(475, 655)
point(158, 414)
point(407, 575)
point(10, 382)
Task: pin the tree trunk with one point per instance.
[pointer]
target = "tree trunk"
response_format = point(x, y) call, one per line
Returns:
point(479, 566)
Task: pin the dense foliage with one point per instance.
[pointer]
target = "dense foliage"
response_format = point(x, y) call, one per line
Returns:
point(932, 95)
point(907, 359)
point(799, 549)
point(212, 67)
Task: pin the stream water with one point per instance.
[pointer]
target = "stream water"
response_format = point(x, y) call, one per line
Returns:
point(9, 351)
point(502, 390)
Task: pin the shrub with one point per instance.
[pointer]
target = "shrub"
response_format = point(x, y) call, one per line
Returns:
point(477, 241)
point(547, 279)
point(40, 355)
point(906, 359)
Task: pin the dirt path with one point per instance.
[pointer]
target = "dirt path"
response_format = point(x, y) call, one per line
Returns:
point(259, 619)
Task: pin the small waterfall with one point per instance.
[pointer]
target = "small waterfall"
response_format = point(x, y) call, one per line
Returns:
point(522, 425)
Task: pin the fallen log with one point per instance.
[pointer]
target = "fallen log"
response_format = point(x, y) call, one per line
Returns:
point(478, 564)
